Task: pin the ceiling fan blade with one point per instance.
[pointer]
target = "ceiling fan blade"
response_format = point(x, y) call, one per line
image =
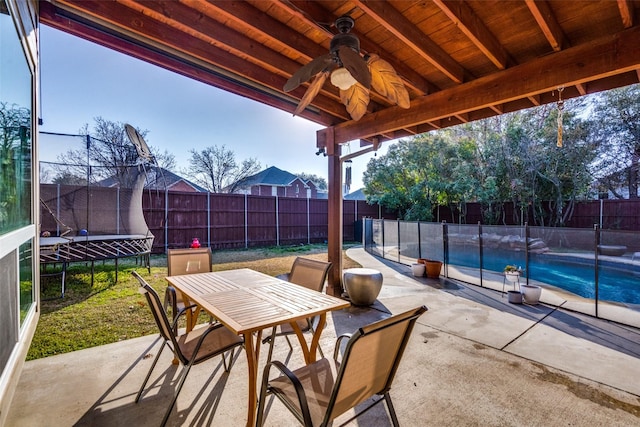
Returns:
point(356, 99)
point(307, 71)
point(387, 83)
point(312, 91)
point(356, 65)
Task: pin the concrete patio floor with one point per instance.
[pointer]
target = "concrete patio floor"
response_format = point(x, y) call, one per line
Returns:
point(473, 359)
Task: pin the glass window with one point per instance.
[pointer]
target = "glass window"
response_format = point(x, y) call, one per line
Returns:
point(15, 128)
point(26, 279)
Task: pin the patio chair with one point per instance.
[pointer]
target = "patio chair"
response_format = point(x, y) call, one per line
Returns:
point(311, 274)
point(184, 261)
point(189, 348)
point(321, 391)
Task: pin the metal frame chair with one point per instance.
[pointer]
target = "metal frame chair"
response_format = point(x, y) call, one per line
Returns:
point(311, 274)
point(321, 391)
point(184, 261)
point(190, 348)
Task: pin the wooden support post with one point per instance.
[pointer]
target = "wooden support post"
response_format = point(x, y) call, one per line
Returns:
point(334, 249)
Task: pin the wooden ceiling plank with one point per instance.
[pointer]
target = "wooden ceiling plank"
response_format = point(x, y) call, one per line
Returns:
point(151, 29)
point(626, 13)
point(193, 22)
point(394, 22)
point(49, 17)
point(312, 13)
point(547, 22)
point(468, 22)
point(244, 14)
point(607, 56)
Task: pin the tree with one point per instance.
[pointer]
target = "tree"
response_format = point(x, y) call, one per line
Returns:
point(319, 181)
point(110, 154)
point(15, 171)
point(616, 125)
point(216, 169)
point(509, 158)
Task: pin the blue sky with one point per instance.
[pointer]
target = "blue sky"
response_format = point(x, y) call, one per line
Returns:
point(82, 80)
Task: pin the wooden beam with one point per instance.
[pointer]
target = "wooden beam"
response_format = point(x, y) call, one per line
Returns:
point(547, 22)
point(394, 22)
point(582, 88)
point(468, 22)
point(626, 13)
point(605, 57)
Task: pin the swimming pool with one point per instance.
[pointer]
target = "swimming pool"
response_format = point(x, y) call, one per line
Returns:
point(617, 281)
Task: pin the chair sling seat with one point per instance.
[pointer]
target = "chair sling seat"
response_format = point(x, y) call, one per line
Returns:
point(317, 379)
point(219, 340)
point(311, 274)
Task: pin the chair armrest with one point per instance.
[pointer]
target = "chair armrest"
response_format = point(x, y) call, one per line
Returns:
point(297, 385)
point(336, 350)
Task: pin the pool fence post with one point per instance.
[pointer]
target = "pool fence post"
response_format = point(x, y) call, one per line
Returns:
point(480, 250)
point(596, 230)
point(419, 242)
point(526, 252)
point(398, 222)
point(445, 248)
point(382, 227)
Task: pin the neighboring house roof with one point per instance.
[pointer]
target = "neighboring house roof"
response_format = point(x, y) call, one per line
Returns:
point(269, 176)
point(160, 179)
point(355, 195)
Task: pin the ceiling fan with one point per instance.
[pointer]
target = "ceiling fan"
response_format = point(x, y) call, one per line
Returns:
point(353, 74)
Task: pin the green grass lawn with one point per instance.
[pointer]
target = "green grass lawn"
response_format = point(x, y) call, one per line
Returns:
point(111, 311)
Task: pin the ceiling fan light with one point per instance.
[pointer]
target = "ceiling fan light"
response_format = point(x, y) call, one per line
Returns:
point(342, 78)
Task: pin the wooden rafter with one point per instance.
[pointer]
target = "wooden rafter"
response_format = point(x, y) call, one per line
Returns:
point(394, 22)
point(547, 22)
point(626, 13)
point(467, 21)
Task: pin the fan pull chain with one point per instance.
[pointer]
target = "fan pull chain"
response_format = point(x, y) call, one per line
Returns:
point(560, 106)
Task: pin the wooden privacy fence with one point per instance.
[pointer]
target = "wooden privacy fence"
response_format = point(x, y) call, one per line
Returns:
point(242, 221)
point(217, 220)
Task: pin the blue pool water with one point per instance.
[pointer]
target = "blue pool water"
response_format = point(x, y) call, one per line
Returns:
point(617, 281)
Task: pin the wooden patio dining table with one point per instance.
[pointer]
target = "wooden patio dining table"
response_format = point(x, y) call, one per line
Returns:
point(247, 302)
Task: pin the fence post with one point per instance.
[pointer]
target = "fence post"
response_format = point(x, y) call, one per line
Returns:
point(209, 218)
point(526, 252)
point(383, 251)
point(480, 251)
point(308, 221)
point(596, 230)
point(246, 222)
point(445, 248)
point(118, 210)
point(419, 242)
point(398, 224)
point(166, 222)
point(277, 223)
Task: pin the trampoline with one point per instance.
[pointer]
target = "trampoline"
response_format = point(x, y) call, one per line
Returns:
point(91, 208)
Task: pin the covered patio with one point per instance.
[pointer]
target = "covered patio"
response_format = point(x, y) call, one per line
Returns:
point(473, 359)
point(459, 61)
